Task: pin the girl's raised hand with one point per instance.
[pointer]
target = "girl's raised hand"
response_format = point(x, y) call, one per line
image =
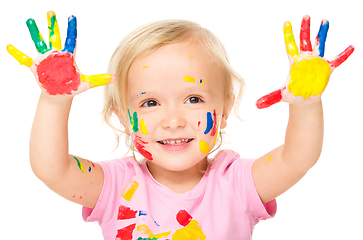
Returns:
point(54, 69)
point(309, 70)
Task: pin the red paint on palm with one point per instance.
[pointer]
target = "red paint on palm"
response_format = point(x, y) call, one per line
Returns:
point(269, 99)
point(183, 218)
point(57, 74)
point(125, 213)
point(125, 233)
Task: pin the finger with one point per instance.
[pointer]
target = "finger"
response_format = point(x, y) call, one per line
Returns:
point(36, 36)
point(269, 99)
point(54, 34)
point(341, 57)
point(98, 80)
point(19, 56)
point(290, 44)
point(305, 44)
point(319, 47)
point(70, 43)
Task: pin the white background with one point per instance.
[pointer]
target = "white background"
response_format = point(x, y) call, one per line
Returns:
point(325, 204)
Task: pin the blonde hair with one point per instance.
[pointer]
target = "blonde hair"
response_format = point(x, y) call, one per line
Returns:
point(147, 39)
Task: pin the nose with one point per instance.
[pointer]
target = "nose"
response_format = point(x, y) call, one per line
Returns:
point(173, 118)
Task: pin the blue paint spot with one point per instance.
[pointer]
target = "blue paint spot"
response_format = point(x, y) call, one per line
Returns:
point(155, 222)
point(70, 43)
point(323, 31)
point(142, 213)
point(209, 123)
point(89, 169)
point(141, 94)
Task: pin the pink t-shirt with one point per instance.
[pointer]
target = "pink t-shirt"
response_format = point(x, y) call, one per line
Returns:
point(224, 204)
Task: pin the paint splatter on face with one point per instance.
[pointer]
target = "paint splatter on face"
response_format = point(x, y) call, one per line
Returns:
point(143, 127)
point(213, 128)
point(189, 79)
point(140, 146)
point(133, 121)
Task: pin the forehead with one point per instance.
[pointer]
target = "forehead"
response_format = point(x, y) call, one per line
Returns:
point(177, 64)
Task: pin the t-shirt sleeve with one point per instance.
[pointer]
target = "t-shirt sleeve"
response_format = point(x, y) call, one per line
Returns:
point(239, 172)
point(115, 172)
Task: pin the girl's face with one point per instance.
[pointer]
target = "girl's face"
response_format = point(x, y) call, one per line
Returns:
point(175, 103)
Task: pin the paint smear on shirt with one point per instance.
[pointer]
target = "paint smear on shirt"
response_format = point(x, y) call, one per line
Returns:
point(309, 77)
point(80, 165)
point(183, 218)
point(143, 127)
point(193, 231)
point(189, 79)
point(144, 229)
point(130, 190)
point(125, 213)
point(125, 233)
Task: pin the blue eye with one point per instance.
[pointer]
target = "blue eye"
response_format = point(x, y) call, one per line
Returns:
point(194, 100)
point(150, 103)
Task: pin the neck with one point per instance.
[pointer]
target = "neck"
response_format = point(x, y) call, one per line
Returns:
point(179, 181)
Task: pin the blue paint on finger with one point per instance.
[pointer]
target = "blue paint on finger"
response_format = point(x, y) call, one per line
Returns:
point(323, 31)
point(70, 43)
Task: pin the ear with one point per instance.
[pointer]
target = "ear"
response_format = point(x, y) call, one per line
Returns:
point(123, 121)
point(227, 110)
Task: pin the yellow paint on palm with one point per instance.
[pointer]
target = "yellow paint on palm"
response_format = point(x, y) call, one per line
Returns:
point(143, 229)
point(130, 190)
point(96, 80)
point(22, 58)
point(192, 231)
point(143, 127)
point(290, 44)
point(189, 79)
point(54, 34)
point(309, 77)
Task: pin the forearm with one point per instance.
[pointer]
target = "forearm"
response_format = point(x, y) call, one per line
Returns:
point(304, 135)
point(49, 138)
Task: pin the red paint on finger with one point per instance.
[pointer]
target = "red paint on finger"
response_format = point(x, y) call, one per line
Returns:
point(183, 218)
point(342, 57)
point(269, 99)
point(305, 44)
point(57, 74)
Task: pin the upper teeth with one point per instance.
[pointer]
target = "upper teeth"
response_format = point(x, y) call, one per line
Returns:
point(175, 141)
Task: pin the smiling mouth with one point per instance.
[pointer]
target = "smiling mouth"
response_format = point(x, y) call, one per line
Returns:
point(175, 141)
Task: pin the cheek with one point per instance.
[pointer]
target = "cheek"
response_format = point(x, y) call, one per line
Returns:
point(209, 133)
point(140, 146)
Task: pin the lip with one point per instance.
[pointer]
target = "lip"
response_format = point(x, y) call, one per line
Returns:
point(176, 146)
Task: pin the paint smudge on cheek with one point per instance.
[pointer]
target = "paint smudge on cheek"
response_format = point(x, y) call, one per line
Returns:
point(125, 233)
point(209, 123)
point(143, 127)
point(203, 146)
point(130, 190)
point(57, 74)
point(133, 121)
point(140, 146)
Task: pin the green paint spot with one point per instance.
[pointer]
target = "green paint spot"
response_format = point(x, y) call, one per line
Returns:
point(80, 165)
point(134, 121)
point(36, 36)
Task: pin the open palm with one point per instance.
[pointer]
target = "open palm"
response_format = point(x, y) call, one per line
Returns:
point(309, 70)
point(55, 68)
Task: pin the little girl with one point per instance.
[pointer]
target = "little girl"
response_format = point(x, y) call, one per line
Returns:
point(172, 89)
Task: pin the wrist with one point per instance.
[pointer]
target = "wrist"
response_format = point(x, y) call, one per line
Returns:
point(58, 100)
